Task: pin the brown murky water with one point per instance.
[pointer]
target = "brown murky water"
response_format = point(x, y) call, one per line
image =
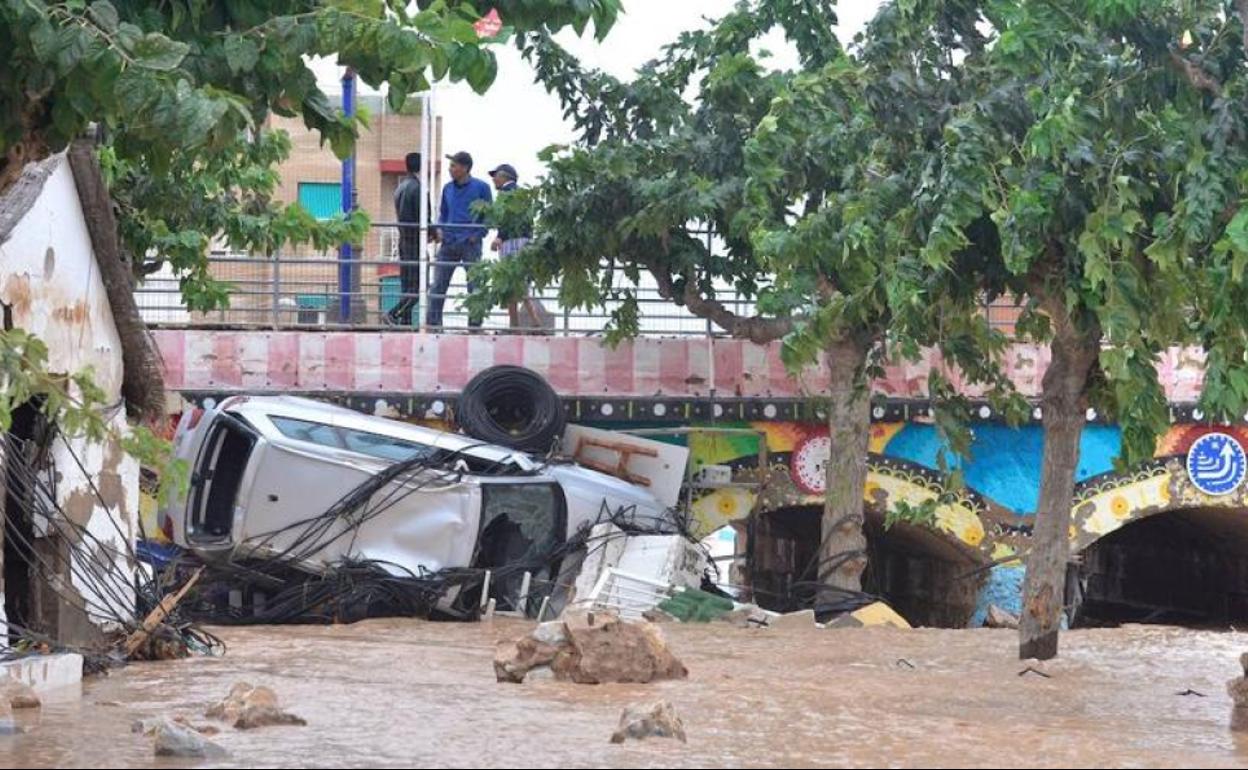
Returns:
point(408, 693)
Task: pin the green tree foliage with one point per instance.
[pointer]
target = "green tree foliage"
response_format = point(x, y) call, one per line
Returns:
point(807, 179)
point(180, 92)
point(1102, 143)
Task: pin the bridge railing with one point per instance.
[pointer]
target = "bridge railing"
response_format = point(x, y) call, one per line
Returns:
point(302, 289)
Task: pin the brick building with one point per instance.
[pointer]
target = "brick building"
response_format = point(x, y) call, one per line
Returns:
point(311, 176)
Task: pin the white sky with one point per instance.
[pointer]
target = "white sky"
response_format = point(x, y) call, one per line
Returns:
point(516, 118)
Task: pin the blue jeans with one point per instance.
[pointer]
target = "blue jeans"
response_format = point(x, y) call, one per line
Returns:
point(450, 256)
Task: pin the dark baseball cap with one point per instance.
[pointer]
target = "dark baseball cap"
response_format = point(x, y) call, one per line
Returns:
point(507, 170)
point(462, 158)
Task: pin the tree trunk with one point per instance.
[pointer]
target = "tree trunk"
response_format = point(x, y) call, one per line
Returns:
point(143, 384)
point(1064, 403)
point(843, 553)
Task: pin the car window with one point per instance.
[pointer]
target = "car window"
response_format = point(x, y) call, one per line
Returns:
point(372, 444)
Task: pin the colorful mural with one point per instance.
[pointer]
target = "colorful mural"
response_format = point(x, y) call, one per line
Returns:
point(1002, 476)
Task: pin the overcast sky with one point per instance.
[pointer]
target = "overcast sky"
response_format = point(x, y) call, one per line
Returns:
point(516, 118)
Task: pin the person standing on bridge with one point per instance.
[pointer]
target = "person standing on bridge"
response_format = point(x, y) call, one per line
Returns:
point(528, 314)
point(461, 232)
point(407, 214)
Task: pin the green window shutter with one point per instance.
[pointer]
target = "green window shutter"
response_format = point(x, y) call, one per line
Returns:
point(321, 199)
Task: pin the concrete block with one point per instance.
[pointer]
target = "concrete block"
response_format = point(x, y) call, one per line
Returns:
point(45, 673)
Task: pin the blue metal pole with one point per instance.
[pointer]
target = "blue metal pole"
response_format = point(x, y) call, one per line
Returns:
point(345, 254)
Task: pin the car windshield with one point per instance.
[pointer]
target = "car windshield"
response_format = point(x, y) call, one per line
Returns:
point(363, 442)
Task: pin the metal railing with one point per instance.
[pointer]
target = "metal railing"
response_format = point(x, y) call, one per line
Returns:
point(305, 290)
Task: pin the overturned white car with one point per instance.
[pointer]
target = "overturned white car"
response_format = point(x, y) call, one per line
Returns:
point(283, 485)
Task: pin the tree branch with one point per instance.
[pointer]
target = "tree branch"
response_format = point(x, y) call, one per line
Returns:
point(754, 328)
point(1241, 7)
point(1200, 80)
point(143, 384)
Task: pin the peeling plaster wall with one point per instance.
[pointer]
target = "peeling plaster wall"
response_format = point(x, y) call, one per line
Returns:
point(51, 283)
point(49, 278)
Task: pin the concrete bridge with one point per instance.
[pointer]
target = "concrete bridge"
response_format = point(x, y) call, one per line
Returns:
point(1151, 544)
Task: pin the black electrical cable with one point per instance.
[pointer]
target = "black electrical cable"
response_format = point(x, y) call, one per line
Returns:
point(511, 406)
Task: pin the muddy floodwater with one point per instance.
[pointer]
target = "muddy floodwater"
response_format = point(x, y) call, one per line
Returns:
point(401, 693)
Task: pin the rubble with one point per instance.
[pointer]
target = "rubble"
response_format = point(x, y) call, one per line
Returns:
point(174, 740)
point(18, 695)
point(799, 619)
point(749, 616)
point(999, 618)
point(875, 614)
point(655, 720)
point(590, 648)
point(248, 706)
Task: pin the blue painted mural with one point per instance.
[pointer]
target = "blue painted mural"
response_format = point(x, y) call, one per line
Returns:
point(1004, 465)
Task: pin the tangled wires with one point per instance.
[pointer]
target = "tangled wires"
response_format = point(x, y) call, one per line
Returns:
point(90, 568)
point(511, 406)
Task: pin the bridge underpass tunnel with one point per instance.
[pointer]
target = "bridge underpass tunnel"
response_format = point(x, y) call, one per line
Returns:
point(929, 579)
point(1184, 567)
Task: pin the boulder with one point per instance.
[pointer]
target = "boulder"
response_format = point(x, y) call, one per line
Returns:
point(513, 660)
point(654, 720)
point(603, 648)
point(248, 706)
point(18, 695)
point(171, 739)
point(999, 618)
point(1237, 688)
point(264, 716)
point(590, 648)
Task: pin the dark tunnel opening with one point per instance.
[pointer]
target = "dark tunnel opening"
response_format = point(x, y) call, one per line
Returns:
point(925, 576)
point(1187, 567)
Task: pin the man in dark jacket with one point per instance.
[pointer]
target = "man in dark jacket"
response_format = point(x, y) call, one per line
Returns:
point(407, 214)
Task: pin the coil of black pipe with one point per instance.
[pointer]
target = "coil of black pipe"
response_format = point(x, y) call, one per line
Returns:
point(511, 406)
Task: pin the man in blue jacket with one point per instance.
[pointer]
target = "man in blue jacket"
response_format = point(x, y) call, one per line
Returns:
point(461, 231)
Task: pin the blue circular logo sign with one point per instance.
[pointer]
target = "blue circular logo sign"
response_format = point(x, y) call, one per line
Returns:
point(1216, 464)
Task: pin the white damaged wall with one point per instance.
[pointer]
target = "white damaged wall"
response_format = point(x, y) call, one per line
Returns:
point(52, 287)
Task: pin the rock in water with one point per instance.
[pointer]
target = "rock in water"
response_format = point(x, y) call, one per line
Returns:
point(1238, 690)
point(999, 618)
point(656, 720)
point(263, 716)
point(174, 740)
point(514, 660)
point(590, 648)
point(18, 695)
point(604, 648)
point(248, 706)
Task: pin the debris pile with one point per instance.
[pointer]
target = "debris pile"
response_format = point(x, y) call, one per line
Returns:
point(590, 648)
point(654, 720)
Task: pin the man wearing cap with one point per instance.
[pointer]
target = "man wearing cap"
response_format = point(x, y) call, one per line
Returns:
point(529, 314)
point(461, 231)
